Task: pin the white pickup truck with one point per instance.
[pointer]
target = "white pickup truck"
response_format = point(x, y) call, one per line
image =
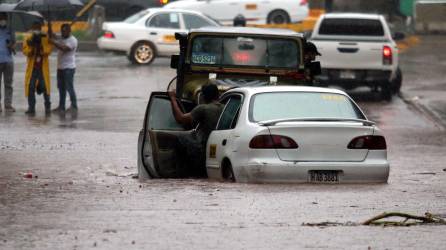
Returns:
point(358, 50)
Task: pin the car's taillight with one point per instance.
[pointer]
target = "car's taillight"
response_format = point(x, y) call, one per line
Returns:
point(272, 141)
point(303, 2)
point(109, 34)
point(372, 142)
point(164, 1)
point(387, 55)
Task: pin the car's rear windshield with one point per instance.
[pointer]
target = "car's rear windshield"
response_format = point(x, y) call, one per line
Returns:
point(290, 105)
point(134, 18)
point(245, 51)
point(351, 27)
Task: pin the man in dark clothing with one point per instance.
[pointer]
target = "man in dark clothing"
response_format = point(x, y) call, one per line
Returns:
point(310, 53)
point(192, 147)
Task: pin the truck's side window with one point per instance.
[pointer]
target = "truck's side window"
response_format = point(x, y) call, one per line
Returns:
point(228, 118)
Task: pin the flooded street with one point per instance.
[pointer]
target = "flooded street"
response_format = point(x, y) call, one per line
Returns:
point(82, 194)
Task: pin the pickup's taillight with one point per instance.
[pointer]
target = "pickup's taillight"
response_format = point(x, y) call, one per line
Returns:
point(371, 142)
point(272, 141)
point(303, 2)
point(387, 55)
point(109, 34)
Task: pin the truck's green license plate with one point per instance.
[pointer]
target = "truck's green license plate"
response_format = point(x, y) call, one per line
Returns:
point(323, 176)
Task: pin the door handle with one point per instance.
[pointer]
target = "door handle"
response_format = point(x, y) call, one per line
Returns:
point(153, 33)
point(224, 142)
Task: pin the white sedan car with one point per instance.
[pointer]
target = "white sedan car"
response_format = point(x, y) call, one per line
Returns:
point(150, 33)
point(295, 134)
point(254, 11)
point(275, 134)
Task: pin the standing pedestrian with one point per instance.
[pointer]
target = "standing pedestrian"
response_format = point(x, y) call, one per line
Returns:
point(66, 67)
point(7, 49)
point(310, 53)
point(37, 48)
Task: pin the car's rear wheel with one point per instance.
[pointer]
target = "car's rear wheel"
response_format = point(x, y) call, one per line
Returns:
point(397, 82)
point(386, 92)
point(227, 172)
point(142, 53)
point(278, 17)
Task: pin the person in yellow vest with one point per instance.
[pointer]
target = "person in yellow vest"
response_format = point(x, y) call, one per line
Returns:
point(37, 48)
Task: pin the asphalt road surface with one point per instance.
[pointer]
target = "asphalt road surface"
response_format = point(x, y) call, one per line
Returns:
point(82, 195)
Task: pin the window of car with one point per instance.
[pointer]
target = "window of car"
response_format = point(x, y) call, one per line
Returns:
point(229, 116)
point(160, 115)
point(245, 51)
point(165, 20)
point(194, 22)
point(351, 27)
point(134, 18)
point(290, 105)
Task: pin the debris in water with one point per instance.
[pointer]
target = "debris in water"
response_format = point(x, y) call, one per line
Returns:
point(432, 173)
point(28, 175)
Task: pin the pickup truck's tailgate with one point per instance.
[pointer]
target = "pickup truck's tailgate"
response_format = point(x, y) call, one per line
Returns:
point(350, 54)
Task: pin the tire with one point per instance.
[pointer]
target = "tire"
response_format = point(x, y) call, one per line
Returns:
point(227, 172)
point(386, 92)
point(397, 82)
point(142, 53)
point(278, 17)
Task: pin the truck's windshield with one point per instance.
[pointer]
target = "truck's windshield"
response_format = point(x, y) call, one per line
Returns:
point(351, 27)
point(245, 51)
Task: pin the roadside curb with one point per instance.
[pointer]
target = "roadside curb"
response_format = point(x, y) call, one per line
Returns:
point(424, 110)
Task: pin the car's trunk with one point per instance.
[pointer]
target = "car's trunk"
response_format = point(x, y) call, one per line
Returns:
point(322, 141)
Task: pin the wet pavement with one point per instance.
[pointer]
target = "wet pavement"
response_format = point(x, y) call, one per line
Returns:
point(82, 195)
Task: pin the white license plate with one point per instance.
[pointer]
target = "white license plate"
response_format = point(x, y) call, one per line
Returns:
point(323, 176)
point(347, 74)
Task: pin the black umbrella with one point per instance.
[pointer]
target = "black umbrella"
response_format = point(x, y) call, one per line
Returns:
point(47, 5)
point(20, 21)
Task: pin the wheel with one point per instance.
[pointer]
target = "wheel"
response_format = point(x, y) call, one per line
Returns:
point(397, 82)
point(386, 92)
point(227, 172)
point(142, 53)
point(278, 17)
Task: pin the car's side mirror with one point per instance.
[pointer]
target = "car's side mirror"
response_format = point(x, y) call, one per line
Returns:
point(398, 36)
point(174, 61)
point(315, 68)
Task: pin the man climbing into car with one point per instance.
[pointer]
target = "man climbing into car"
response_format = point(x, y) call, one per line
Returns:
point(191, 148)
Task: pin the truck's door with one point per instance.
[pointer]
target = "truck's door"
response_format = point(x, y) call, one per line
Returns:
point(158, 138)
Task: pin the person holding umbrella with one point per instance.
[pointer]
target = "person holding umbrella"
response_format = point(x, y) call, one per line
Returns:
point(37, 48)
point(66, 66)
point(7, 49)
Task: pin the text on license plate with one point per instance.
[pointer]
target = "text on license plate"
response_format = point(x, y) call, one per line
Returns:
point(323, 176)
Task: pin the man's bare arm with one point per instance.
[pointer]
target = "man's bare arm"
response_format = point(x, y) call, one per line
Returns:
point(180, 117)
point(60, 45)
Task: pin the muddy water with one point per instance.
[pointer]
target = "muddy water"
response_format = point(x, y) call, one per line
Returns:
point(82, 195)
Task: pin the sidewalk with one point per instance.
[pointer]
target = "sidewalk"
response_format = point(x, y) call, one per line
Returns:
point(424, 82)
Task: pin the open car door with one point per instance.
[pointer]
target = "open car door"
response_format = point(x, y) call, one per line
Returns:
point(158, 138)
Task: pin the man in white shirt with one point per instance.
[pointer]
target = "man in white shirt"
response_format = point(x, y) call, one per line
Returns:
point(66, 67)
